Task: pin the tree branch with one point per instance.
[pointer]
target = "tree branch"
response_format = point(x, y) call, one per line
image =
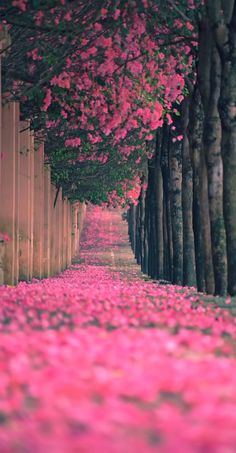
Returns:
point(178, 10)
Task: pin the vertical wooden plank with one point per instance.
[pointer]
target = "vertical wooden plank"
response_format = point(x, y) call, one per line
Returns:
point(47, 221)
point(9, 186)
point(31, 204)
point(58, 232)
point(53, 267)
point(74, 231)
point(38, 211)
point(69, 229)
point(81, 216)
point(17, 188)
point(65, 233)
point(24, 201)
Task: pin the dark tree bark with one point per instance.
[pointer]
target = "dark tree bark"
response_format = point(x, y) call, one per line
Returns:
point(151, 219)
point(167, 220)
point(195, 128)
point(145, 261)
point(223, 22)
point(131, 217)
point(209, 71)
point(176, 204)
point(189, 269)
point(203, 81)
point(142, 228)
point(137, 235)
point(159, 210)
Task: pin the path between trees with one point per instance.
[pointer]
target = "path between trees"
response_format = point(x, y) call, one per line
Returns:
point(103, 359)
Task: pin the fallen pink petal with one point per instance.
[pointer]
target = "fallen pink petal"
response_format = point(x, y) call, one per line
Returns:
point(97, 358)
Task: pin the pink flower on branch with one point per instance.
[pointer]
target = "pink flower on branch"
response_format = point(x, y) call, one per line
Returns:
point(73, 142)
point(62, 81)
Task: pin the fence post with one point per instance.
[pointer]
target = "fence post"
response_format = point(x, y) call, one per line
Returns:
point(65, 233)
point(58, 232)
point(74, 232)
point(25, 178)
point(4, 42)
point(81, 215)
point(47, 222)
point(38, 211)
point(69, 240)
point(9, 190)
point(53, 268)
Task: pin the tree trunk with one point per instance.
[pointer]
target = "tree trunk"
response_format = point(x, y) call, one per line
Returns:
point(195, 128)
point(166, 255)
point(205, 225)
point(159, 211)
point(145, 261)
point(142, 229)
point(223, 21)
point(212, 145)
point(137, 235)
point(151, 221)
point(176, 205)
point(203, 80)
point(167, 226)
point(131, 216)
point(209, 72)
point(189, 269)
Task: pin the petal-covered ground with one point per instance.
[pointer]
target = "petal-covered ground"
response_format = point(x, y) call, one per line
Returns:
point(102, 359)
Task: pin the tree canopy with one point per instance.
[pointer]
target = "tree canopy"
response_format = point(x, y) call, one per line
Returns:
point(97, 81)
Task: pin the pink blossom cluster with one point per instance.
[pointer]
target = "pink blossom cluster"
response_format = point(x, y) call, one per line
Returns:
point(100, 359)
point(113, 86)
point(130, 194)
point(21, 4)
point(140, 81)
point(73, 142)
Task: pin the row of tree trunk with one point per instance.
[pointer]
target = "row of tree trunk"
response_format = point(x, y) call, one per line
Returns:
point(183, 228)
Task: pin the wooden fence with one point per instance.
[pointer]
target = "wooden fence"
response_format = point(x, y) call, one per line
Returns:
point(37, 239)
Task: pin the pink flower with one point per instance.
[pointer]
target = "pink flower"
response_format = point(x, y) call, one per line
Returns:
point(169, 119)
point(34, 55)
point(116, 14)
point(21, 4)
point(62, 81)
point(104, 12)
point(47, 100)
point(97, 26)
point(73, 142)
point(228, 300)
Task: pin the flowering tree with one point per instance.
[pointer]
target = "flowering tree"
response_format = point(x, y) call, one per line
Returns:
point(92, 85)
point(99, 81)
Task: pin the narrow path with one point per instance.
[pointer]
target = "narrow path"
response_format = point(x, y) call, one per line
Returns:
point(102, 359)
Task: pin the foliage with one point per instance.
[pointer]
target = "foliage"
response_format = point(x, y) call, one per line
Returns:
point(97, 79)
